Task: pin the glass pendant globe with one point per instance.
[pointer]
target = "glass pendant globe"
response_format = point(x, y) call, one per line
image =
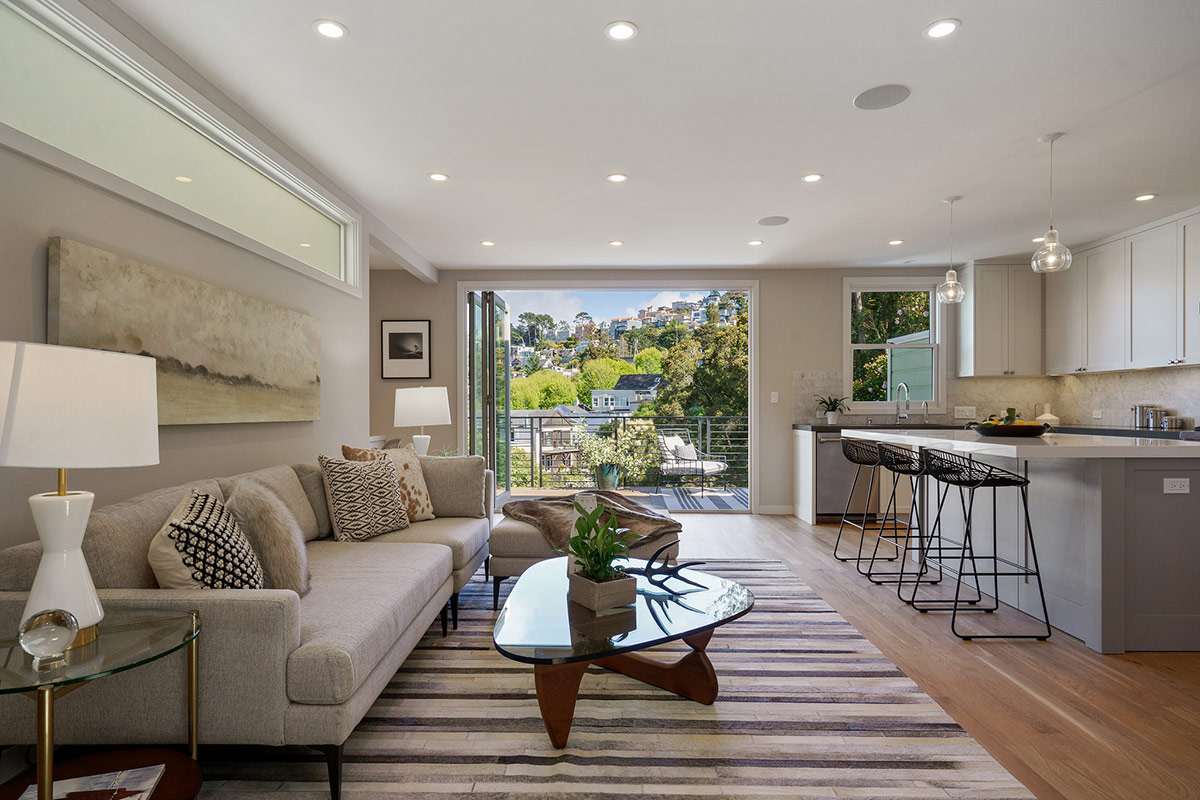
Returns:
point(1051, 256)
point(950, 290)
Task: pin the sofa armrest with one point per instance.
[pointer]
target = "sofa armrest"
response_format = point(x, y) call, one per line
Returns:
point(245, 640)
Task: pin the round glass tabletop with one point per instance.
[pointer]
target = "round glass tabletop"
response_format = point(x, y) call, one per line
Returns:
point(123, 642)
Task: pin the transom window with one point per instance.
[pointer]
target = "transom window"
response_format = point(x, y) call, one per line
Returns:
point(892, 343)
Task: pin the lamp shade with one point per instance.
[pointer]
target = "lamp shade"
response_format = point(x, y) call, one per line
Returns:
point(71, 407)
point(422, 405)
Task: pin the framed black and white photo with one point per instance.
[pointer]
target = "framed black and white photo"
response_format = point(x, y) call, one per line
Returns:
point(404, 348)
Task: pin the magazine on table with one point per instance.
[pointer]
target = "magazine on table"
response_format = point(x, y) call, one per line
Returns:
point(126, 784)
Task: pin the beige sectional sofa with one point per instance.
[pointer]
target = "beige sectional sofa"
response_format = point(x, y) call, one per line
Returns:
point(275, 668)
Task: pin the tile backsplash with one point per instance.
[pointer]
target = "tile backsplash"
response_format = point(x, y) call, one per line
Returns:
point(1072, 398)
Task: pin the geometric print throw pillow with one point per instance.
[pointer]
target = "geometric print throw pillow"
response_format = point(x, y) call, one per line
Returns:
point(364, 498)
point(201, 547)
point(409, 475)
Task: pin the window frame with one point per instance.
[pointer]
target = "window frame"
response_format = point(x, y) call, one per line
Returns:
point(937, 332)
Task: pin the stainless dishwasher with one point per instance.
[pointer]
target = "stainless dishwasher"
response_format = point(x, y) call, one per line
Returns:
point(835, 474)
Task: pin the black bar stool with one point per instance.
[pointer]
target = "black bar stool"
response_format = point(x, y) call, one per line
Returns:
point(899, 461)
point(952, 469)
point(861, 454)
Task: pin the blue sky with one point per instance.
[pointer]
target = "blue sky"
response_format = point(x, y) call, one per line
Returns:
point(564, 305)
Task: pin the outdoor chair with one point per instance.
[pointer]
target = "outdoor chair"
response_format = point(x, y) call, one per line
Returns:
point(679, 459)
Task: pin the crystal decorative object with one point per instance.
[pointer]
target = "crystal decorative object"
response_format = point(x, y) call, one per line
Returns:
point(46, 636)
point(1051, 256)
point(950, 290)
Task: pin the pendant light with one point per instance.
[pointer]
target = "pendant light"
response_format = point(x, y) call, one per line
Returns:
point(950, 290)
point(1051, 256)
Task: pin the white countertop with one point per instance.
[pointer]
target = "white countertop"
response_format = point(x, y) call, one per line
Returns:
point(1050, 445)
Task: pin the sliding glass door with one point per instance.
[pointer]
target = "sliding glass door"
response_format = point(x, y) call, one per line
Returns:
point(489, 375)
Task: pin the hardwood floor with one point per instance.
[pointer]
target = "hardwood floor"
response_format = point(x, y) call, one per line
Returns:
point(1066, 721)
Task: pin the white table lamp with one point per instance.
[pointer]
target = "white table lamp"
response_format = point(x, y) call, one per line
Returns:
point(421, 406)
point(68, 407)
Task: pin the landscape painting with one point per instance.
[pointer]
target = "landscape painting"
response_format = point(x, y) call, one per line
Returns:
point(222, 356)
point(404, 348)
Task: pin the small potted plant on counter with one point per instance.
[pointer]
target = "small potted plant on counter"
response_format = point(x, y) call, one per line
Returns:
point(831, 406)
point(595, 582)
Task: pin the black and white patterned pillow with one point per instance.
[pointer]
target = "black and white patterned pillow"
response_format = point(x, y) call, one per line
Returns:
point(201, 546)
point(364, 498)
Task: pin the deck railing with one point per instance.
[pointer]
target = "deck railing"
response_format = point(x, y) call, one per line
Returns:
point(543, 454)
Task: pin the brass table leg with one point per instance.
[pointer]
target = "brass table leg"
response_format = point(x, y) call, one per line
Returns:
point(193, 676)
point(45, 742)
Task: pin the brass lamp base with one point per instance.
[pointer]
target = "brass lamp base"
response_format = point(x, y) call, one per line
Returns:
point(85, 636)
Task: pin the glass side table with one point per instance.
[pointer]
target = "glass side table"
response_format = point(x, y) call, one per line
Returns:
point(123, 643)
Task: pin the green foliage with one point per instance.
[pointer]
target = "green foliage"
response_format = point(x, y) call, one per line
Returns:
point(600, 373)
point(875, 318)
point(629, 452)
point(648, 361)
point(542, 389)
point(708, 373)
point(532, 328)
point(596, 544)
point(870, 375)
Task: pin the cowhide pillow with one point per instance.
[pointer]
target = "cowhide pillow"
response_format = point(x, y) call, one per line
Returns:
point(409, 474)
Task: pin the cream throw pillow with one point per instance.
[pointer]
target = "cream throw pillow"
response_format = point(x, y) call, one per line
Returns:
point(274, 533)
point(201, 547)
point(364, 498)
point(409, 475)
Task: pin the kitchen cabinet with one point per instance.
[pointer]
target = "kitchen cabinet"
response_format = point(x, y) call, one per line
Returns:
point(1155, 300)
point(1107, 307)
point(1000, 321)
point(1188, 252)
point(1065, 310)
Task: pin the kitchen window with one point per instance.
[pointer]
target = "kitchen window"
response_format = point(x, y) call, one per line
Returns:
point(892, 337)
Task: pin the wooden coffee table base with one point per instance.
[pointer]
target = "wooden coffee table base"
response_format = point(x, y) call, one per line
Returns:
point(557, 685)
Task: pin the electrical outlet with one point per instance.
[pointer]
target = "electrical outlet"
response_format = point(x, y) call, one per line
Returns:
point(1097, 413)
point(1177, 485)
point(964, 412)
point(774, 397)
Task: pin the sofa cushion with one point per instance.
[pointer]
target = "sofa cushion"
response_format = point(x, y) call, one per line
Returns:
point(313, 483)
point(363, 596)
point(463, 535)
point(283, 483)
point(364, 497)
point(200, 546)
point(115, 545)
point(456, 485)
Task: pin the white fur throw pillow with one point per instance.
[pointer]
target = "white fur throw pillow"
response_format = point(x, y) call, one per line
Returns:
point(200, 546)
point(274, 533)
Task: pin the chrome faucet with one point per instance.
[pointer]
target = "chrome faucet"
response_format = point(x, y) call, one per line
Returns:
point(925, 410)
point(901, 416)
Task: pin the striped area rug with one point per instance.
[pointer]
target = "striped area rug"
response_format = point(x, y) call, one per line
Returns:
point(808, 708)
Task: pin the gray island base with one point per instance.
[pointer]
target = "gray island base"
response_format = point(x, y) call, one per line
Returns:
point(1117, 540)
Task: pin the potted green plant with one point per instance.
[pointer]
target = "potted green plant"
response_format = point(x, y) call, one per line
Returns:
point(831, 406)
point(595, 582)
point(607, 456)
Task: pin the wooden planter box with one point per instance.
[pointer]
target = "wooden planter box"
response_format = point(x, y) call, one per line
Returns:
point(599, 596)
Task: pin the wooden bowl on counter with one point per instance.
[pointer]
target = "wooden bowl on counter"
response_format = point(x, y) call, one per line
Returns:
point(1025, 431)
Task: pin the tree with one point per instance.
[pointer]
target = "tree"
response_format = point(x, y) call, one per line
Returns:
point(876, 318)
point(599, 345)
point(707, 374)
point(649, 361)
point(533, 327)
point(600, 373)
point(542, 390)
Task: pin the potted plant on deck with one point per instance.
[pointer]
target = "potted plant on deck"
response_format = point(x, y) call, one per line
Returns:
point(595, 582)
point(831, 406)
point(607, 456)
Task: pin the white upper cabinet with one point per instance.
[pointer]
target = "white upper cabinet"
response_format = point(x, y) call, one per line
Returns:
point(1065, 312)
point(1107, 307)
point(1189, 257)
point(1155, 299)
point(1000, 321)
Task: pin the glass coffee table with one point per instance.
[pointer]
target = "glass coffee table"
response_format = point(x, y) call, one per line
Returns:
point(539, 626)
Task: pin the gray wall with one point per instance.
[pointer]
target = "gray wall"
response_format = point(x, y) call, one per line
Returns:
point(38, 202)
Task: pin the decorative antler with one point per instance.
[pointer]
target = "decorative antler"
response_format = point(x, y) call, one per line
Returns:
point(659, 574)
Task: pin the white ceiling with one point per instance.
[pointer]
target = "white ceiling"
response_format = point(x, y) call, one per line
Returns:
point(715, 111)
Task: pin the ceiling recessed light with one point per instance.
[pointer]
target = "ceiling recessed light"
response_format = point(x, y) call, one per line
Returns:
point(1141, 198)
point(617, 177)
point(438, 176)
point(881, 97)
point(771, 222)
point(895, 242)
point(621, 30)
point(754, 242)
point(488, 243)
point(616, 243)
point(1039, 240)
point(329, 28)
point(183, 179)
point(813, 177)
point(942, 28)
point(305, 244)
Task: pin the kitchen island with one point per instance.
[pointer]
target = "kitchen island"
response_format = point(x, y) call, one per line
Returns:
point(1117, 535)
